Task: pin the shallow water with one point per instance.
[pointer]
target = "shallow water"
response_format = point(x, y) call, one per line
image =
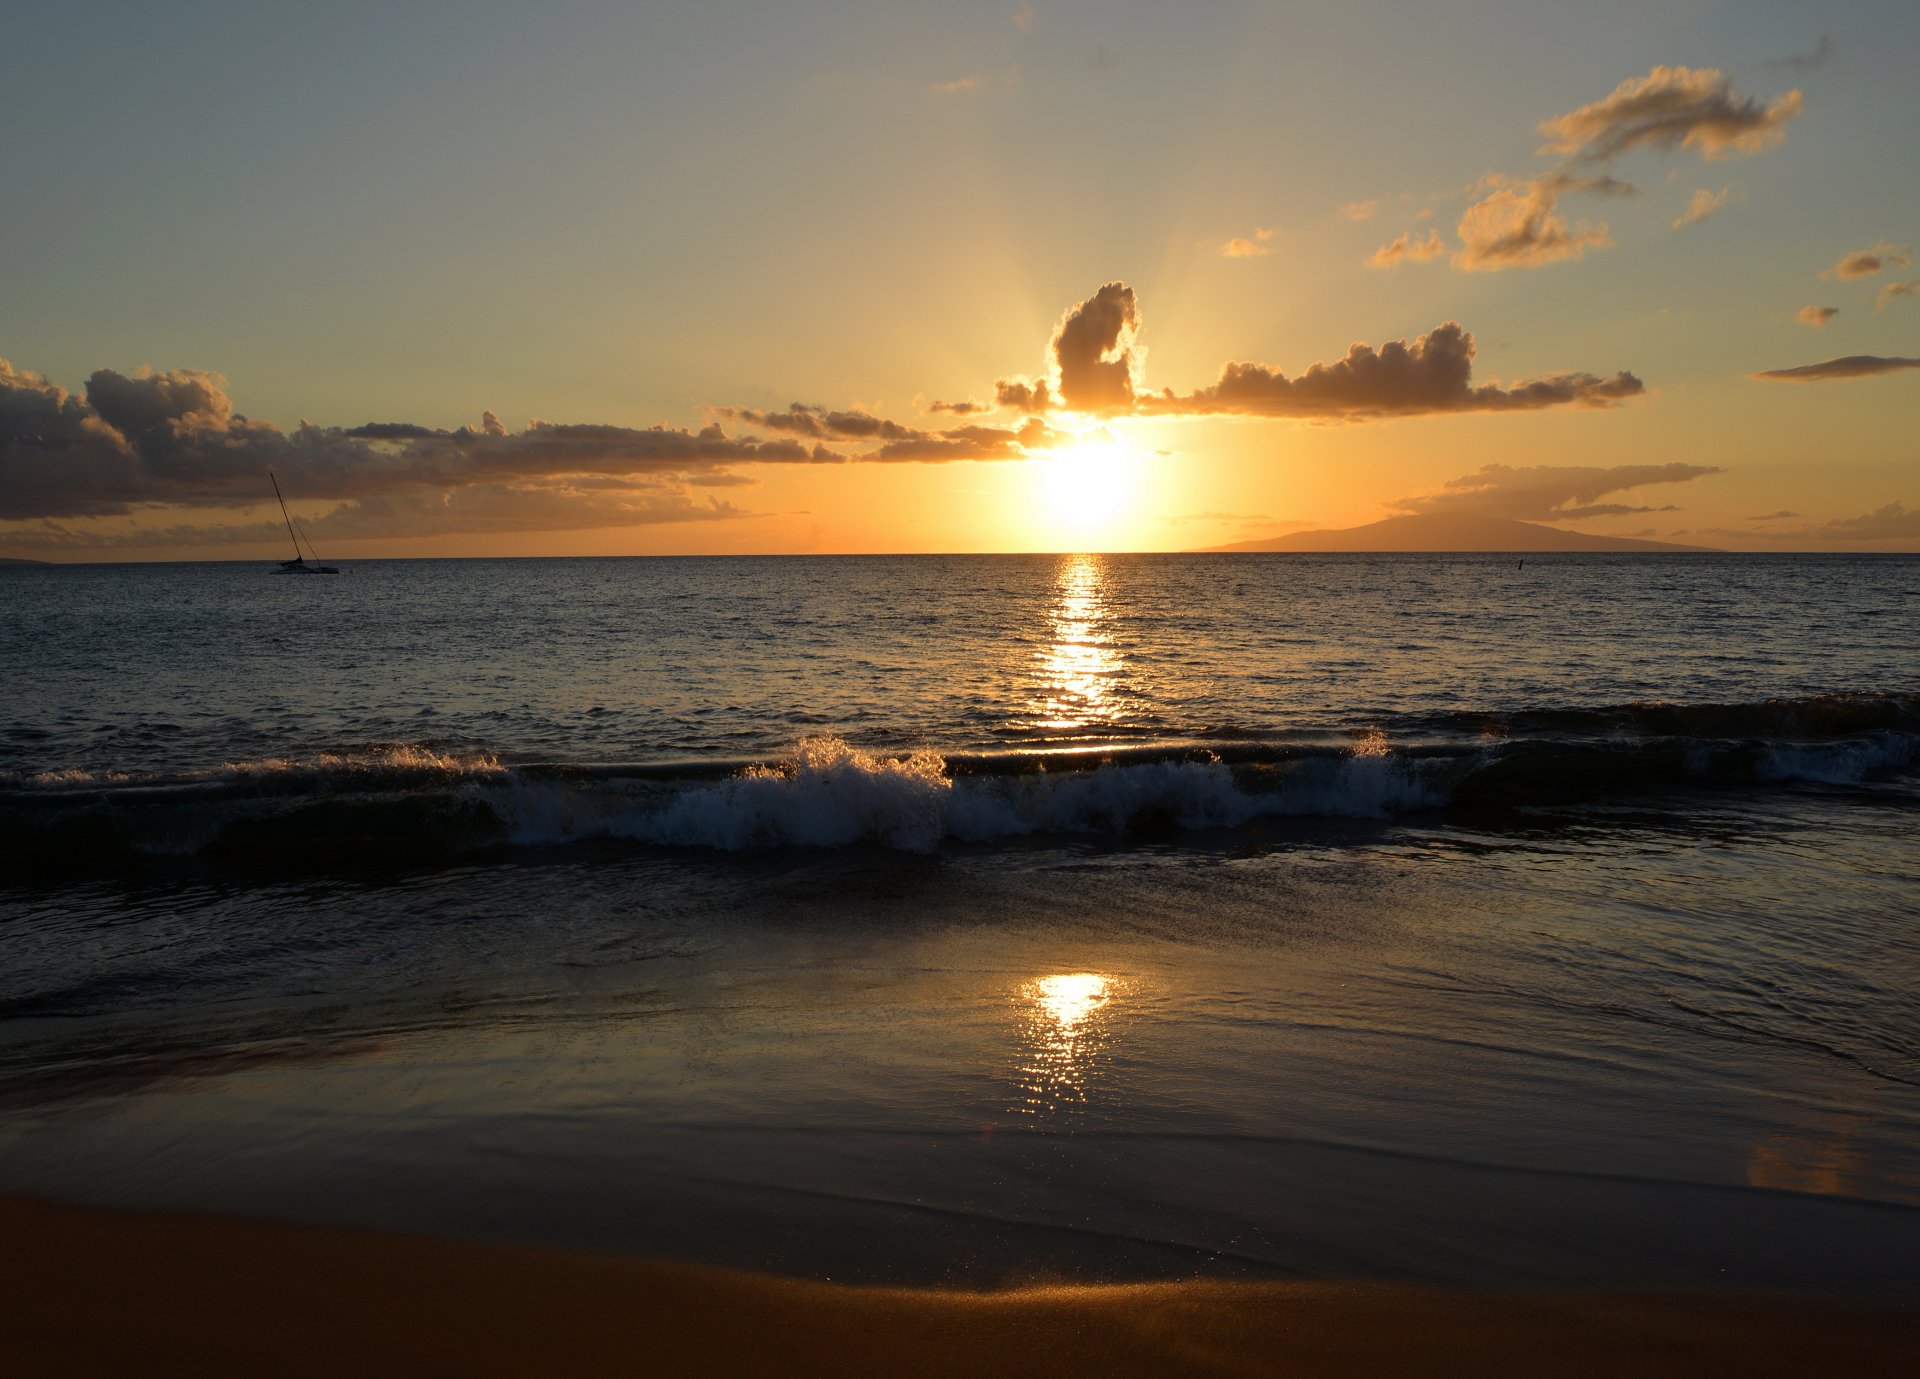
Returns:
point(1467, 970)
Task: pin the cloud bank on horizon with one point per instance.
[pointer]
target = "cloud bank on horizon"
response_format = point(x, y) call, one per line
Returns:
point(174, 440)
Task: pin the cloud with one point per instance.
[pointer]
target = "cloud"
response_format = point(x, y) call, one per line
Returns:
point(1816, 316)
point(969, 443)
point(1895, 521)
point(1892, 290)
point(1023, 395)
point(1406, 248)
point(1431, 375)
point(1092, 348)
point(1849, 366)
point(1700, 205)
point(1864, 263)
point(1092, 356)
point(818, 423)
point(1516, 222)
point(151, 441)
point(1240, 247)
point(1671, 107)
point(1023, 19)
point(1804, 62)
point(1515, 227)
point(1096, 365)
point(958, 85)
point(1550, 493)
point(1361, 210)
point(174, 440)
point(1773, 516)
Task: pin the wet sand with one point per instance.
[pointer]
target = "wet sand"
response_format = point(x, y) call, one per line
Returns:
point(92, 1292)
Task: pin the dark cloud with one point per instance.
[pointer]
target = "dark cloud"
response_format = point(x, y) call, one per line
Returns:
point(1804, 62)
point(1550, 492)
point(822, 424)
point(1433, 374)
point(1091, 349)
point(1864, 263)
point(965, 408)
point(1023, 396)
point(1773, 516)
point(1816, 316)
point(392, 431)
point(1672, 107)
point(174, 439)
point(1092, 358)
point(1848, 366)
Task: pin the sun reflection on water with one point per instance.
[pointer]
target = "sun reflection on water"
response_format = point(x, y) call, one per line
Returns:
point(1066, 1030)
point(1079, 670)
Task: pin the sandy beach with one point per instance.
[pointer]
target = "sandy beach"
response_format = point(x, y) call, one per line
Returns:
point(93, 1292)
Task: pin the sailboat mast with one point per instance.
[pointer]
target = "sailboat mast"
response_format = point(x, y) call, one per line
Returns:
point(285, 515)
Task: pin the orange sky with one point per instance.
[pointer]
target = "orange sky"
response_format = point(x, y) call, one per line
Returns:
point(1630, 274)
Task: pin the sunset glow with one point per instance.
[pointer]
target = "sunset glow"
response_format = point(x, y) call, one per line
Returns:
point(793, 688)
point(1162, 333)
point(1092, 489)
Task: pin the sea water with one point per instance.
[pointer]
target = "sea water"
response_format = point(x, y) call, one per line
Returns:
point(977, 919)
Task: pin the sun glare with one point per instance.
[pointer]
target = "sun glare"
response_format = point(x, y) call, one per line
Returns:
point(1091, 486)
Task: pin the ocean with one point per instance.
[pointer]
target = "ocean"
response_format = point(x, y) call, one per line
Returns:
point(984, 920)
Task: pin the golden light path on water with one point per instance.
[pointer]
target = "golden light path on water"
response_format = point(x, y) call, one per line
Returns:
point(1067, 1024)
point(1080, 670)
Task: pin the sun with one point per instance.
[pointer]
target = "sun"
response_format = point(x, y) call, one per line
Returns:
point(1089, 487)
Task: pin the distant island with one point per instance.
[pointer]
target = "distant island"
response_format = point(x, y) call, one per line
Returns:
point(16, 560)
point(1451, 533)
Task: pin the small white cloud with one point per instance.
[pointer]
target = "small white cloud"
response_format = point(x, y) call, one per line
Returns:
point(1407, 249)
point(1700, 205)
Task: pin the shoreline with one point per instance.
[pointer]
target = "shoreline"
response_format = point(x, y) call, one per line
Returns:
point(98, 1291)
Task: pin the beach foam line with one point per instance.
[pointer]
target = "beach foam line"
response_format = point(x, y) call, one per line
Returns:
point(86, 1292)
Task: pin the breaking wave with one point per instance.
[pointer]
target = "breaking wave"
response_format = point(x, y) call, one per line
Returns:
point(403, 803)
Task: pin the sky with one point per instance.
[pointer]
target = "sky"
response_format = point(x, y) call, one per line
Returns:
point(502, 279)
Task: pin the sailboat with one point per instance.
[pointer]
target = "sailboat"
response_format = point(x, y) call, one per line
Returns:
point(298, 565)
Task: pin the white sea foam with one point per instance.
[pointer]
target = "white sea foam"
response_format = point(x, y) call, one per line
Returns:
point(1839, 763)
point(827, 793)
point(399, 759)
